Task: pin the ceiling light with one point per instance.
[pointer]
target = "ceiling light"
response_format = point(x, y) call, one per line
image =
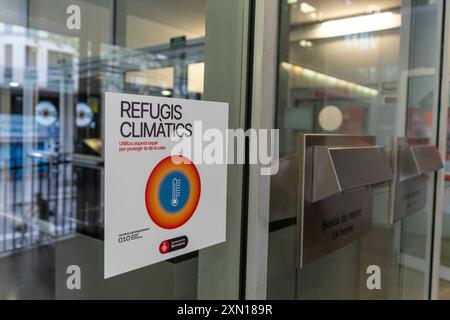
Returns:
point(330, 80)
point(360, 24)
point(307, 8)
point(305, 44)
point(161, 56)
point(13, 84)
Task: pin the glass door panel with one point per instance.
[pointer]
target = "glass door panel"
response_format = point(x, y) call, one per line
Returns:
point(52, 83)
point(355, 67)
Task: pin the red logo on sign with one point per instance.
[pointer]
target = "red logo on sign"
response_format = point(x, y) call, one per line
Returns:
point(164, 247)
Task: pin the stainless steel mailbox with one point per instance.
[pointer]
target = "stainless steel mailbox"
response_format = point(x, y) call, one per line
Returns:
point(337, 169)
point(413, 159)
point(335, 176)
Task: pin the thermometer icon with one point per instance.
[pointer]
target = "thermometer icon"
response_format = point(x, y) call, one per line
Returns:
point(175, 191)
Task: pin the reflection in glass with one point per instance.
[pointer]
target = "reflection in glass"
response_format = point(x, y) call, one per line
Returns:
point(52, 82)
point(354, 68)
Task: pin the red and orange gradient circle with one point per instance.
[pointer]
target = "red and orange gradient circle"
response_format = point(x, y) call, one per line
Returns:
point(172, 192)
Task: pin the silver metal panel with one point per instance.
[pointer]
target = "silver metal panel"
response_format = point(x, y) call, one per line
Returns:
point(335, 222)
point(325, 180)
point(427, 158)
point(413, 159)
point(346, 214)
point(411, 196)
point(360, 166)
point(265, 68)
point(226, 54)
point(408, 168)
point(338, 169)
point(284, 194)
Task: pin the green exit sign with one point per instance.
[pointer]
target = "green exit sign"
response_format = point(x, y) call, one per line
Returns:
point(177, 42)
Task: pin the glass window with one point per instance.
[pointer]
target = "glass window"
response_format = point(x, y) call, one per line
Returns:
point(52, 83)
point(355, 67)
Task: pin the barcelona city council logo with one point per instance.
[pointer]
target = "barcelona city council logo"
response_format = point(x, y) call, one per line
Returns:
point(172, 192)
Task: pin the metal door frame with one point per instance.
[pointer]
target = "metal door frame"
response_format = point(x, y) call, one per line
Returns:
point(263, 107)
point(221, 267)
point(442, 146)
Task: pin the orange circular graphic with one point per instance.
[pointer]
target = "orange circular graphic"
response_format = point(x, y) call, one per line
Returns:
point(172, 192)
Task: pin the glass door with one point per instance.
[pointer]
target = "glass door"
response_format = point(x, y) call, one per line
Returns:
point(364, 68)
point(56, 62)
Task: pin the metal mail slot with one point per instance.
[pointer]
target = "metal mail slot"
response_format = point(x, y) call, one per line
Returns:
point(413, 159)
point(337, 169)
point(335, 175)
point(427, 159)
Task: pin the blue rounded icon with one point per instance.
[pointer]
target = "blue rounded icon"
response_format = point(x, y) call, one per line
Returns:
point(174, 192)
point(84, 115)
point(46, 113)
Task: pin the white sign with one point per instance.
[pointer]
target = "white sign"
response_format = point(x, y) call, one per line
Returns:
point(159, 205)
